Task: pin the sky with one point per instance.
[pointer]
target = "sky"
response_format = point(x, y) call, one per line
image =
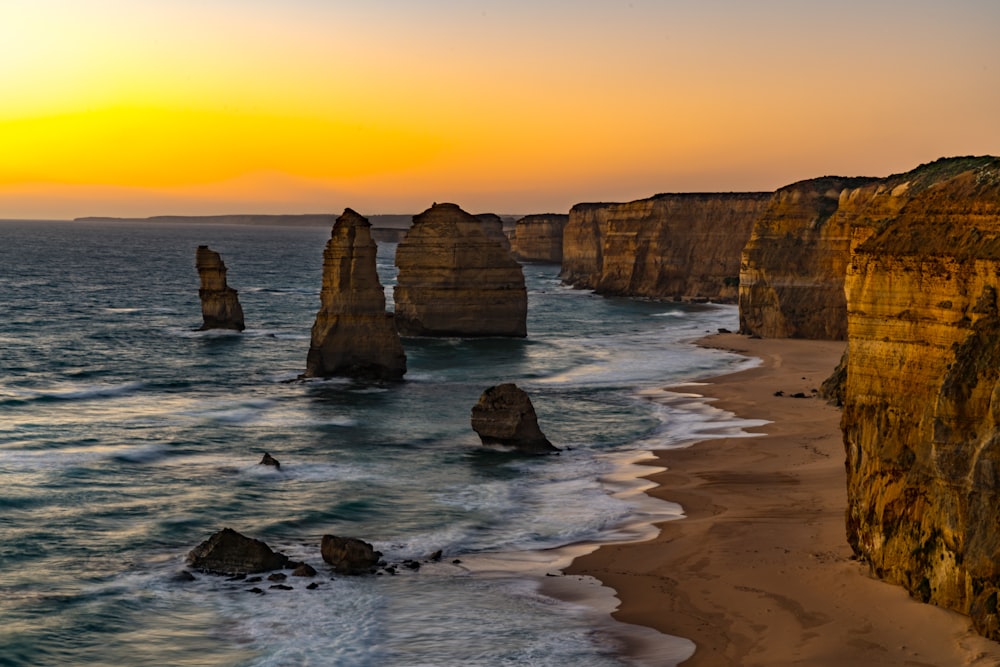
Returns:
point(198, 107)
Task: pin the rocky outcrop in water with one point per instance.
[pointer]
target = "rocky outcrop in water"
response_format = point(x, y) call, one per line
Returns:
point(220, 306)
point(794, 264)
point(539, 238)
point(505, 416)
point(922, 393)
point(230, 553)
point(353, 335)
point(684, 246)
point(349, 555)
point(454, 280)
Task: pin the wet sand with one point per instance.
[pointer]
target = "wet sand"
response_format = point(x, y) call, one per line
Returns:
point(759, 571)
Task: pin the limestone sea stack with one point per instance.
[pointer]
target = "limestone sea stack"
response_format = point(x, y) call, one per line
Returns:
point(454, 280)
point(793, 267)
point(921, 414)
point(682, 246)
point(353, 335)
point(539, 238)
point(220, 306)
point(505, 416)
point(493, 226)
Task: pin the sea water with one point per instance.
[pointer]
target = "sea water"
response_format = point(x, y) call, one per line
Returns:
point(127, 437)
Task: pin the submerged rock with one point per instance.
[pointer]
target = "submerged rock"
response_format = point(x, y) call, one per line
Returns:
point(230, 553)
point(220, 306)
point(353, 335)
point(505, 416)
point(349, 555)
point(455, 280)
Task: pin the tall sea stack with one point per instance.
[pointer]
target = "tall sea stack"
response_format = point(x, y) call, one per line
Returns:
point(922, 397)
point(539, 238)
point(220, 307)
point(454, 280)
point(353, 335)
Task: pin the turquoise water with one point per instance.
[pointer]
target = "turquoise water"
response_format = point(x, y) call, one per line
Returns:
point(126, 438)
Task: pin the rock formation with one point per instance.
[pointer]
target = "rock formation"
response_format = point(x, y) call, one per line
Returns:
point(793, 267)
point(922, 395)
point(353, 335)
point(349, 555)
point(671, 245)
point(220, 307)
point(539, 238)
point(227, 552)
point(493, 226)
point(454, 280)
point(505, 416)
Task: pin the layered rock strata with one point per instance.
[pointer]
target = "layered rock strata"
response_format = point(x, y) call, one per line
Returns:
point(793, 266)
point(684, 246)
point(220, 305)
point(455, 280)
point(505, 416)
point(353, 335)
point(921, 414)
point(493, 226)
point(539, 238)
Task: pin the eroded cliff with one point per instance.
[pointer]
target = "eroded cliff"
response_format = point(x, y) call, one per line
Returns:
point(793, 267)
point(220, 304)
point(455, 280)
point(353, 335)
point(922, 393)
point(671, 245)
point(539, 238)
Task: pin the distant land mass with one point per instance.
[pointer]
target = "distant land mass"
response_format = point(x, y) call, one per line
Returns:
point(401, 221)
point(382, 221)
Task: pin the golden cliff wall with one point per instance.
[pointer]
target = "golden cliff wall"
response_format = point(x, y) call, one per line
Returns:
point(793, 267)
point(539, 238)
point(670, 245)
point(922, 396)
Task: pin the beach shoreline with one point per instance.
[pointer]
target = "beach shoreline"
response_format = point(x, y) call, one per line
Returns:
point(759, 571)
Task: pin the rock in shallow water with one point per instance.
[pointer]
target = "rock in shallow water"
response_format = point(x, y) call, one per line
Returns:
point(505, 416)
point(230, 553)
point(349, 555)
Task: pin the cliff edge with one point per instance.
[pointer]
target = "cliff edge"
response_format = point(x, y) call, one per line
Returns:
point(921, 416)
point(684, 246)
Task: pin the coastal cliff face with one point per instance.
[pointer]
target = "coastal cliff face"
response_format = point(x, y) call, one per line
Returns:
point(220, 305)
point(539, 238)
point(921, 414)
point(353, 335)
point(793, 267)
point(455, 280)
point(671, 245)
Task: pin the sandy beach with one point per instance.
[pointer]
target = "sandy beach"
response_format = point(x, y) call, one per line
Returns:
point(759, 571)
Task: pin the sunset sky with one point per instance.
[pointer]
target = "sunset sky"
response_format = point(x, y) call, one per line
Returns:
point(146, 107)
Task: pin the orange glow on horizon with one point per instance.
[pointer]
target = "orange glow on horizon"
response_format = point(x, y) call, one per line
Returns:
point(302, 105)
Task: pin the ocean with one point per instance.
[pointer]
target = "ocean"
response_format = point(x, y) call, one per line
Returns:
point(127, 438)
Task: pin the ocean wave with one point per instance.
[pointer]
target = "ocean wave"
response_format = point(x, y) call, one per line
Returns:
point(15, 395)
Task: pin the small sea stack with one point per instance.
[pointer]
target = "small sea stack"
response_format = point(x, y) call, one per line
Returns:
point(505, 416)
point(455, 280)
point(220, 306)
point(353, 335)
